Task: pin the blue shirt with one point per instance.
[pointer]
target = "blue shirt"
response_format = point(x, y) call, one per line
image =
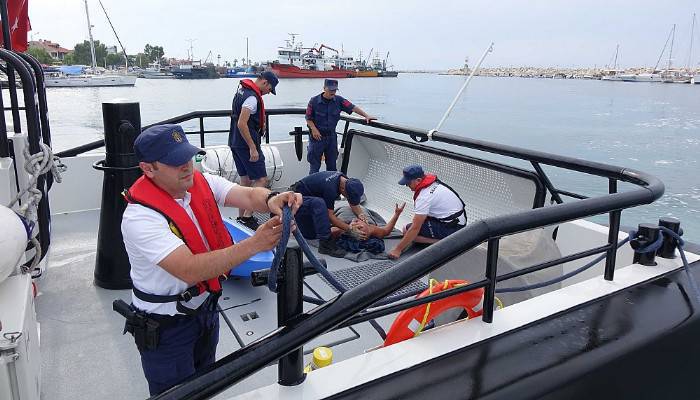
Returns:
point(324, 184)
point(326, 113)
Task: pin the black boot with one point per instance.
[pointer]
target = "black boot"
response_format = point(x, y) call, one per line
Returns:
point(330, 247)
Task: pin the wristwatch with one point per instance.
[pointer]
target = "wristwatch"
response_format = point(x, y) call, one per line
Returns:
point(269, 196)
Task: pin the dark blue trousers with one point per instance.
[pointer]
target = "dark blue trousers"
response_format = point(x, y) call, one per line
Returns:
point(312, 218)
point(186, 345)
point(328, 145)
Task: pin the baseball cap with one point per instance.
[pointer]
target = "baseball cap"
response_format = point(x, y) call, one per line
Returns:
point(354, 190)
point(165, 143)
point(271, 78)
point(331, 84)
point(410, 173)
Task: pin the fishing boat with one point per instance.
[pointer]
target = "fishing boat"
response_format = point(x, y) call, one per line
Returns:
point(194, 70)
point(568, 308)
point(296, 61)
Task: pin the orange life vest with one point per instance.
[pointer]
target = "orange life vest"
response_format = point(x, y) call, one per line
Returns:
point(410, 322)
point(206, 211)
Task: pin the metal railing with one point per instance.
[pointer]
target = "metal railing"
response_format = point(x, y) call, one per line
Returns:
point(355, 305)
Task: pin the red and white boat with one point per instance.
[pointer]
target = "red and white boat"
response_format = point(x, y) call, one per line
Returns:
point(296, 61)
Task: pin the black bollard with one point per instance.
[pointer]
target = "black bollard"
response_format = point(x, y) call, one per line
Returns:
point(290, 305)
point(646, 235)
point(668, 248)
point(122, 122)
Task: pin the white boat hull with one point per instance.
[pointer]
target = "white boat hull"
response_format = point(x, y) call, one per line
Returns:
point(91, 81)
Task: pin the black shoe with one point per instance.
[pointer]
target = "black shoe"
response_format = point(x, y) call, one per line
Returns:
point(249, 222)
point(330, 247)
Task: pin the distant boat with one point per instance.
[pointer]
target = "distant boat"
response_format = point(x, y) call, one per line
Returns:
point(195, 70)
point(82, 76)
point(643, 77)
point(696, 78)
point(295, 61)
point(241, 72)
point(155, 71)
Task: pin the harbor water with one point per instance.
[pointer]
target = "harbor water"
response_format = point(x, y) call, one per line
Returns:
point(644, 126)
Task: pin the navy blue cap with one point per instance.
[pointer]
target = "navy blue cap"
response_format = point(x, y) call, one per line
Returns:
point(271, 78)
point(165, 143)
point(331, 84)
point(410, 173)
point(354, 191)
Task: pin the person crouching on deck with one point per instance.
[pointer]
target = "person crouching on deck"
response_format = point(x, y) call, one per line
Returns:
point(438, 210)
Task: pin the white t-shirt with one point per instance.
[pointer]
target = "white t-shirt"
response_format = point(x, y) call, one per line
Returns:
point(251, 103)
point(437, 201)
point(148, 240)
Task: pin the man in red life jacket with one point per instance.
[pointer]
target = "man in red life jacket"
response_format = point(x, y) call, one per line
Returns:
point(178, 249)
point(438, 210)
point(246, 132)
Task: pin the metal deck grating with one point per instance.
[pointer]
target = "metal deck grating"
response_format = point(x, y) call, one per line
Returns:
point(354, 276)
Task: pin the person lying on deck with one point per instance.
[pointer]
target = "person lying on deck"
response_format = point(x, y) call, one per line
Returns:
point(366, 225)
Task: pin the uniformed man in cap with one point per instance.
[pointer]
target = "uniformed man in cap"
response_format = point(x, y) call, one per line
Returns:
point(246, 133)
point(322, 115)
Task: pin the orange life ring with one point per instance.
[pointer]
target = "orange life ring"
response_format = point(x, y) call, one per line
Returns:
point(409, 323)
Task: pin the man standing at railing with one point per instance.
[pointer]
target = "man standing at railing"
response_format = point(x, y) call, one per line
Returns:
point(245, 136)
point(438, 210)
point(322, 116)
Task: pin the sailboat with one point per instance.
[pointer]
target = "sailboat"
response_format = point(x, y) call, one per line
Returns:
point(674, 75)
point(89, 77)
point(613, 74)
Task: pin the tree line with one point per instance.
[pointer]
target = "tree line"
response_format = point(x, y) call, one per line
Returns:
point(81, 55)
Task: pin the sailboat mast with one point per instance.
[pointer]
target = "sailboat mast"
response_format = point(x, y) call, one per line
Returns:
point(670, 51)
point(126, 57)
point(690, 52)
point(247, 59)
point(617, 49)
point(92, 43)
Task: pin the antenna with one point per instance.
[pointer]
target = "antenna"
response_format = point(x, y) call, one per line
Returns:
point(459, 94)
point(190, 53)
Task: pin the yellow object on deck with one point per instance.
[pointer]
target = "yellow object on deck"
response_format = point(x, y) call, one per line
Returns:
point(322, 357)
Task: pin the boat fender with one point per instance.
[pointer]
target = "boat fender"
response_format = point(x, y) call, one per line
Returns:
point(13, 240)
point(409, 323)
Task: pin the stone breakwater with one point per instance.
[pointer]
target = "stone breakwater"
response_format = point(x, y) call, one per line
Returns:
point(549, 72)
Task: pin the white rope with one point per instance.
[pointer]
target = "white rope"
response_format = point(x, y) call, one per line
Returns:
point(36, 165)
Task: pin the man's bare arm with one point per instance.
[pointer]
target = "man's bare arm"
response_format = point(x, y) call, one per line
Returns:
point(193, 268)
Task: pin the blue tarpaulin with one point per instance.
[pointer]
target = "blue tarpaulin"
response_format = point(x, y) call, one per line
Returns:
point(72, 69)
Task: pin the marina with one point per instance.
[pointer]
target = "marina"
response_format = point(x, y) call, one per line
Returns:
point(573, 273)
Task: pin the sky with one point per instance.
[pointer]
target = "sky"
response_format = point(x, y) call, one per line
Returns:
point(428, 35)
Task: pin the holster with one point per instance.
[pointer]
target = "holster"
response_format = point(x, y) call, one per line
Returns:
point(145, 330)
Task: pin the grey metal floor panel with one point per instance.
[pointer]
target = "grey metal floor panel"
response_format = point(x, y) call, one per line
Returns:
point(84, 354)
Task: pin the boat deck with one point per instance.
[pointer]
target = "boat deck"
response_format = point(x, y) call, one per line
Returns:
point(81, 340)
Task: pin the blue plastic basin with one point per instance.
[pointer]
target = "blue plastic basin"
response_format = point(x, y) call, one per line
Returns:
point(258, 261)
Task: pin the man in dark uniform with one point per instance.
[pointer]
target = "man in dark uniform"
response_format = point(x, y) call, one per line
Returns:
point(322, 115)
point(246, 132)
point(316, 214)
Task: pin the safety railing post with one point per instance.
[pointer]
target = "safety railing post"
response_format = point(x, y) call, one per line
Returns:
point(201, 132)
point(491, 273)
point(613, 233)
point(290, 305)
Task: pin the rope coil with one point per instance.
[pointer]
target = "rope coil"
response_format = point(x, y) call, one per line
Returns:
point(36, 165)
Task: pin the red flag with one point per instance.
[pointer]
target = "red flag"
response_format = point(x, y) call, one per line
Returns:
point(18, 15)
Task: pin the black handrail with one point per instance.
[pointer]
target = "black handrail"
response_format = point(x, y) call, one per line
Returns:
point(249, 359)
point(34, 136)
